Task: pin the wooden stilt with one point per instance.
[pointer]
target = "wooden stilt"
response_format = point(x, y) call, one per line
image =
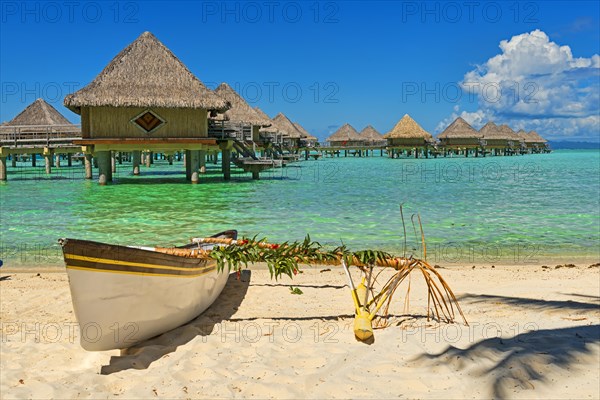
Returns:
point(136, 159)
point(187, 158)
point(13, 160)
point(113, 162)
point(104, 167)
point(69, 160)
point(202, 161)
point(48, 160)
point(226, 164)
point(3, 169)
point(57, 160)
point(33, 159)
point(87, 160)
point(194, 165)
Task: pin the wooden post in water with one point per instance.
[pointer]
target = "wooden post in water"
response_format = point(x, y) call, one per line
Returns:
point(87, 161)
point(113, 162)
point(136, 159)
point(13, 159)
point(188, 167)
point(69, 160)
point(57, 160)
point(2, 168)
point(226, 159)
point(33, 159)
point(48, 160)
point(194, 165)
point(202, 161)
point(170, 159)
point(148, 159)
point(104, 167)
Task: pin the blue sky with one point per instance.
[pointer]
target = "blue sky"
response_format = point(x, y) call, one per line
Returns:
point(327, 63)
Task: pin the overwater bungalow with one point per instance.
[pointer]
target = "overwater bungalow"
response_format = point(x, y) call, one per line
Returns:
point(408, 137)
point(147, 99)
point(372, 137)
point(539, 143)
point(293, 136)
point(526, 142)
point(345, 136)
point(460, 138)
point(38, 129)
point(240, 118)
point(500, 139)
point(307, 139)
point(272, 133)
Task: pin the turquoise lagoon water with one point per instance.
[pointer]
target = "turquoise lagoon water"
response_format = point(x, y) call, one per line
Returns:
point(525, 209)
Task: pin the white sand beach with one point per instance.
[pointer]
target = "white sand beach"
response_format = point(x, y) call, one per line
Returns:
point(534, 333)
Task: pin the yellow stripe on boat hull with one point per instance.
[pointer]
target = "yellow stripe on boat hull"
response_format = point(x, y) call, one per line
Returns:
point(206, 271)
point(129, 264)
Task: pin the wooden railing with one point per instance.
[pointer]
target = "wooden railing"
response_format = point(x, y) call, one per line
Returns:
point(38, 135)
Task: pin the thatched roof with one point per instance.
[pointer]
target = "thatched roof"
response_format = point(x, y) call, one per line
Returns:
point(304, 132)
point(508, 133)
point(240, 111)
point(38, 113)
point(273, 128)
point(523, 136)
point(370, 134)
point(345, 133)
point(502, 132)
point(537, 137)
point(146, 74)
point(459, 129)
point(288, 126)
point(407, 128)
point(490, 131)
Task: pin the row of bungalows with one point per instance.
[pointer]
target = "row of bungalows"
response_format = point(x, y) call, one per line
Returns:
point(347, 136)
point(461, 138)
point(408, 138)
point(146, 100)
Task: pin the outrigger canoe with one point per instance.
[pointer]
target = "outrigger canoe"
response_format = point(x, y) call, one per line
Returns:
point(123, 295)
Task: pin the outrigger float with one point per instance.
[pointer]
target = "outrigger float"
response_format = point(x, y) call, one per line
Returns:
point(123, 295)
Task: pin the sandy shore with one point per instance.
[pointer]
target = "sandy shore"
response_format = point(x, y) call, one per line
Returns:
point(534, 333)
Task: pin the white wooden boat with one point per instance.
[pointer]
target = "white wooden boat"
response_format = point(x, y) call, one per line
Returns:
point(123, 295)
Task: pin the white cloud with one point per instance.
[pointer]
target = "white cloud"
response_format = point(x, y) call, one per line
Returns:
point(535, 83)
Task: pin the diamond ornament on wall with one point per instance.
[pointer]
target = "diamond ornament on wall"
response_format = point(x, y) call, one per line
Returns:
point(148, 121)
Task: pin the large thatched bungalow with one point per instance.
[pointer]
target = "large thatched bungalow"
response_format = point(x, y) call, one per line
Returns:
point(345, 136)
point(460, 136)
point(43, 128)
point(147, 99)
point(407, 135)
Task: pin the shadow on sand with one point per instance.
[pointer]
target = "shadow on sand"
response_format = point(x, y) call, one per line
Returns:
point(525, 358)
point(145, 353)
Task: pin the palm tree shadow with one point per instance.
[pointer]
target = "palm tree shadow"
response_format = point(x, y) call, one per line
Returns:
point(537, 304)
point(145, 353)
point(526, 357)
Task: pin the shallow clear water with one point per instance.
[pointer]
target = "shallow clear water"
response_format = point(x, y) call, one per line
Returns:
point(495, 209)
